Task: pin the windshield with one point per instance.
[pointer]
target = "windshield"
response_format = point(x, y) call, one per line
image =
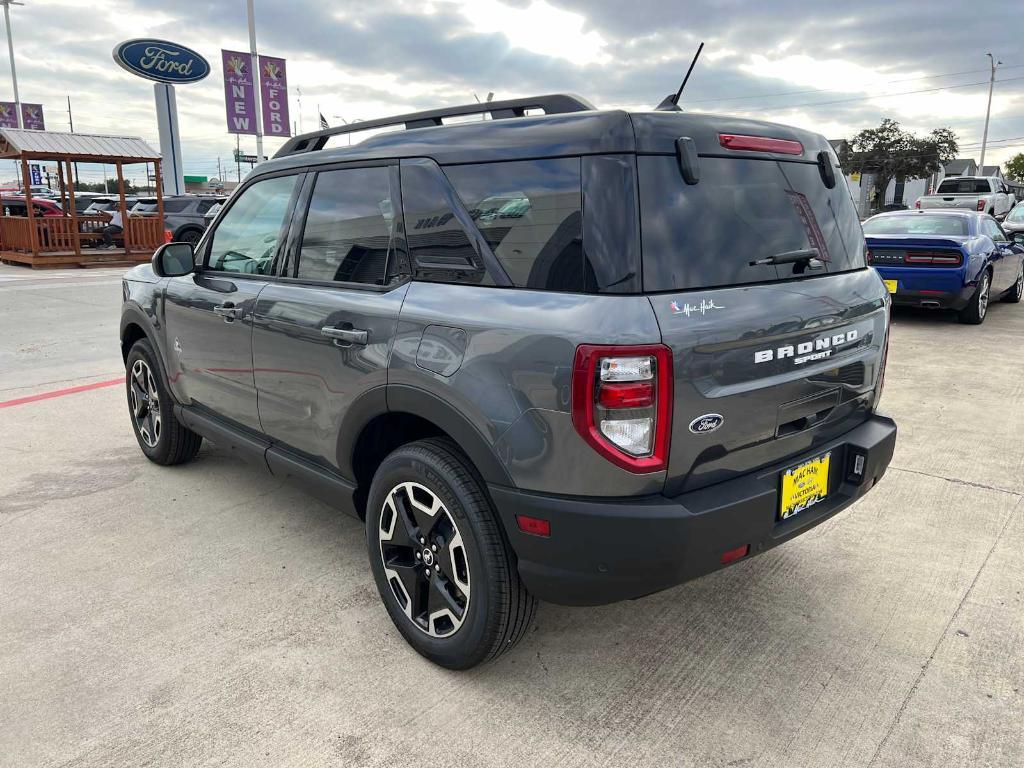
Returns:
point(916, 224)
point(1017, 214)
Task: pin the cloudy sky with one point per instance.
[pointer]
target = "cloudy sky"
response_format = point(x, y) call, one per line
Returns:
point(833, 67)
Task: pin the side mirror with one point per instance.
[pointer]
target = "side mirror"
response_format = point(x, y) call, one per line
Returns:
point(173, 260)
point(1017, 238)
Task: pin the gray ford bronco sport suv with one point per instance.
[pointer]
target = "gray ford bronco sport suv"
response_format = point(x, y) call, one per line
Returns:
point(578, 356)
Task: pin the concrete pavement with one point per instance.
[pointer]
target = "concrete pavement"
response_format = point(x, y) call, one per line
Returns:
point(209, 615)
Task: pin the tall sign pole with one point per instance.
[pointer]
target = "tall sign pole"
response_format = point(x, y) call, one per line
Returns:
point(10, 49)
point(256, 74)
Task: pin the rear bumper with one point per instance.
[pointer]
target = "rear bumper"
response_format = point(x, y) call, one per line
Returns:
point(603, 550)
point(934, 300)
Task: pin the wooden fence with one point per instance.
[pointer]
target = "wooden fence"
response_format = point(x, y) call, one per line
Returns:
point(57, 233)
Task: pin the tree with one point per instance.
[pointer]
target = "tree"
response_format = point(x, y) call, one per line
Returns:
point(1015, 167)
point(889, 152)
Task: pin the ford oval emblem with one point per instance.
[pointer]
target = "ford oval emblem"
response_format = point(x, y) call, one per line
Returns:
point(161, 60)
point(709, 422)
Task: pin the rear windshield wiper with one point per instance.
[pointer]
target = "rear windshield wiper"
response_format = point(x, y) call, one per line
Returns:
point(808, 255)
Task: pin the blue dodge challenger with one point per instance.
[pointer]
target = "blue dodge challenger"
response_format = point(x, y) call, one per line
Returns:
point(956, 260)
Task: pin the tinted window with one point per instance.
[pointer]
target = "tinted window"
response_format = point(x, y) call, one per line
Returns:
point(964, 186)
point(741, 211)
point(247, 237)
point(530, 213)
point(349, 228)
point(990, 228)
point(205, 205)
point(15, 209)
point(441, 249)
point(916, 224)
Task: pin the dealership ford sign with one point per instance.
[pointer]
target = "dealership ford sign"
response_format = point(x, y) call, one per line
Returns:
point(161, 60)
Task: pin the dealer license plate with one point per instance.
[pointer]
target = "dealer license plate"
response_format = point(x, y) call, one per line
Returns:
point(804, 486)
point(891, 285)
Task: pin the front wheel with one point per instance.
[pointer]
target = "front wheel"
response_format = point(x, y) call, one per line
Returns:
point(976, 309)
point(442, 564)
point(1013, 295)
point(163, 438)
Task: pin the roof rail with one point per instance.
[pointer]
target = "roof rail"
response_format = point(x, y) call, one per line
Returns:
point(551, 104)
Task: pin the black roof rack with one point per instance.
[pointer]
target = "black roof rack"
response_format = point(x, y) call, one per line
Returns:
point(551, 104)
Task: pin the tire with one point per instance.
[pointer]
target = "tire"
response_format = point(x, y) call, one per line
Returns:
point(977, 308)
point(190, 236)
point(162, 438)
point(1013, 295)
point(474, 606)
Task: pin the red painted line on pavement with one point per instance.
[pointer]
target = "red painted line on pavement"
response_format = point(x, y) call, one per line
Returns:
point(61, 392)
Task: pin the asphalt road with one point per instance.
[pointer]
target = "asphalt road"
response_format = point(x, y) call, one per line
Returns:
point(209, 615)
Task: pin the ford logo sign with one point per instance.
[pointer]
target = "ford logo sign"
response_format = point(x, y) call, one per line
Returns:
point(161, 60)
point(709, 422)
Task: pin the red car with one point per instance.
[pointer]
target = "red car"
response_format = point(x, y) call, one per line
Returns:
point(15, 206)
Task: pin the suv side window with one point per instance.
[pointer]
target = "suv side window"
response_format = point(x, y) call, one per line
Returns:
point(246, 239)
point(441, 249)
point(531, 214)
point(350, 227)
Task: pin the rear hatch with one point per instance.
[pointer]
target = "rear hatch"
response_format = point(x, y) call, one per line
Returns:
point(769, 359)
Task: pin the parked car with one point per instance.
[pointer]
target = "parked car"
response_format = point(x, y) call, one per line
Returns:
point(184, 215)
point(975, 193)
point(103, 204)
point(455, 335)
point(1014, 221)
point(16, 206)
point(945, 260)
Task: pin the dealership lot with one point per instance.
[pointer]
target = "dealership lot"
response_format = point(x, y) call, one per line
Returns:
point(208, 614)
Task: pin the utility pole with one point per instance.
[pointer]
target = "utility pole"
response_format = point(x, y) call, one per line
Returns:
point(988, 110)
point(238, 158)
point(10, 49)
point(71, 125)
point(256, 81)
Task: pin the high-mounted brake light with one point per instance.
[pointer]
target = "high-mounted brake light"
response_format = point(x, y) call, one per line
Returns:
point(740, 143)
point(622, 403)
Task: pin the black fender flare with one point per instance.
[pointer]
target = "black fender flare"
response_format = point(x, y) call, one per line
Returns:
point(401, 398)
point(133, 314)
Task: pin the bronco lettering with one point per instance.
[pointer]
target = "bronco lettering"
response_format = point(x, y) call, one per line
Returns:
point(821, 348)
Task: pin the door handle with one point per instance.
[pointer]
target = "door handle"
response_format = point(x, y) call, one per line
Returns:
point(346, 335)
point(228, 311)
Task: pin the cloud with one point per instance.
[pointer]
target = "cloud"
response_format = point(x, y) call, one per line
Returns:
point(370, 58)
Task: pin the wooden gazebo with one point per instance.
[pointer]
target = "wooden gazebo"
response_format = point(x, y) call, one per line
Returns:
point(72, 238)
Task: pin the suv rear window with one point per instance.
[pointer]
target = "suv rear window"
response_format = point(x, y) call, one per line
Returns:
point(964, 186)
point(708, 234)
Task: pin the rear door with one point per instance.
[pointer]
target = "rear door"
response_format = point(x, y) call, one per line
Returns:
point(323, 330)
point(769, 359)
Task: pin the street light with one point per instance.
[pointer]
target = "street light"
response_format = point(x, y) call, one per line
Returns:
point(988, 110)
point(10, 49)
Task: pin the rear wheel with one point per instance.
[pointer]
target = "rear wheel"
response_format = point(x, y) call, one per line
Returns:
point(163, 438)
point(976, 309)
point(1013, 295)
point(190, 236)
point(441, 562)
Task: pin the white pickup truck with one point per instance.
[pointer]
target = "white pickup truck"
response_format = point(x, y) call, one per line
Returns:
point(977, 193)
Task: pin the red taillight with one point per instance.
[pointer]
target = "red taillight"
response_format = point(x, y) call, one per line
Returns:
point(536, 526)
point(918, 205)
point(868, 257)
point(940, 258)
point(740, 143)
point(981, 205)
point(732, 555)
point(622, 403)
point(168, 236)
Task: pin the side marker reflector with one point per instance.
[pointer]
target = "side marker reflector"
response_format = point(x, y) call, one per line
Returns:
point(732, 555)
point(535, 526)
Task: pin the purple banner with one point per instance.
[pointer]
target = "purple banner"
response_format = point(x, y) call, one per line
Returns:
point(32, 117)
point(274, 95)
point(8, 115)
point(239, 93)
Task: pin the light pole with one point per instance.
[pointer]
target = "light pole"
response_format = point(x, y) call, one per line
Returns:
point(10, 49)
point(255, 69)
point(988, 110)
